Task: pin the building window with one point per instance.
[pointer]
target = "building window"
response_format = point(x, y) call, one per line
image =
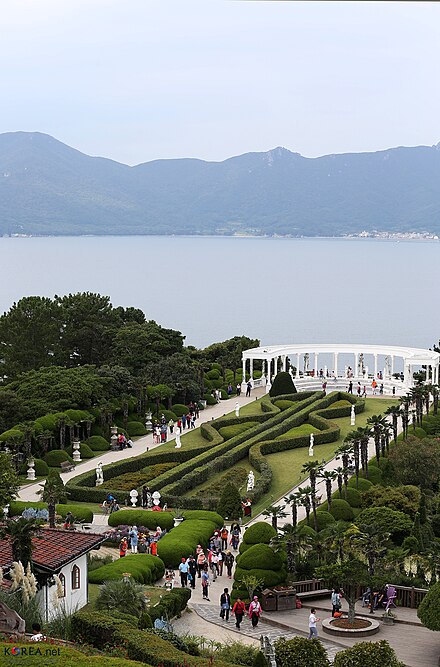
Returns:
point(62, 579)
point(75, 578)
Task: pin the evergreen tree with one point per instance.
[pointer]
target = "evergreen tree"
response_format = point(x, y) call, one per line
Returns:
point(230, 503)
point(282, 384)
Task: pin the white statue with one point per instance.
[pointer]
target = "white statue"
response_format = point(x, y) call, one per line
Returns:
point(251, 481)
point(312, 442)
point(352, 416)
point(156, 498)
point(306, 362)
point(237, 410)
point(99, 474)
point(133, 497)
point(178, 443)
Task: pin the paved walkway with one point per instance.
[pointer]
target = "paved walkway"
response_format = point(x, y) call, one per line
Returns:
point(29, 492)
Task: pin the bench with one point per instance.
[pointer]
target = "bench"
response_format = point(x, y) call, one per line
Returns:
point(66, 466)
point(322, 593)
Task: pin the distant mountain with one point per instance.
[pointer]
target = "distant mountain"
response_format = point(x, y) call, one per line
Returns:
point(47, 187)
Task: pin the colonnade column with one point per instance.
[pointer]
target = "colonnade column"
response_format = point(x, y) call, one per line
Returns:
point(356, 365)
point(297, 365)
point(243, 379)
point(392, 365)
point(335, 356)
point(316, 365)
point(375, 365)
point(269, 362)
point(285, 363)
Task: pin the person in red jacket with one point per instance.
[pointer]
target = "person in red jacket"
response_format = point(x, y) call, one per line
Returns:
point(239, 610)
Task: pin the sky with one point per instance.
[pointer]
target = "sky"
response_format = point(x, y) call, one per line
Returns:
point(138, 80)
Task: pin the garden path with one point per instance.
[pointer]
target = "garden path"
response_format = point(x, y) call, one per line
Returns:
point(29, 492)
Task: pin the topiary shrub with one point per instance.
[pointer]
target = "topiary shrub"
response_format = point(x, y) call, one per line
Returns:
point(210, 400)
point(143, 568)
point(85, 451)
point(230, 503)
point(282, 384)
point(204, 515)
point(146, 518)
point(352, 496)
point(363, 484)
point(301, 652)
point(373, 654)
point(136, 428)
point(56, 457)
point(259, 533)
point(262, 557)
point(341, 510)
point(309, 531)
point(324, 519)
point(429, 609)
point(269, 578)
point(98, 444)
point(374, 475)
point(182, 541)
point(179, 409)
point(169, 414)
point(41, 468)
point(283, 404)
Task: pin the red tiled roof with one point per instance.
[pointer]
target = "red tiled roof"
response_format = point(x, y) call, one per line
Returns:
point(54, 548)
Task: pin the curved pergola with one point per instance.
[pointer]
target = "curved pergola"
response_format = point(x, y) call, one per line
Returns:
point(274, 358)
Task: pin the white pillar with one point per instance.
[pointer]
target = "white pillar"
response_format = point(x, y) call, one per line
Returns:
point(375, 366)
point(392, 364)
point(285, 363)
point(269, 376)
point(336, 363)
point(316, 365)
point(244, 371)
point(356, 362)
point(251, 361)
point(297, 364)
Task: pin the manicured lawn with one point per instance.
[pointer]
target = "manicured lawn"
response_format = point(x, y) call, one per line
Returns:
point(228, 432)
point(286, 466)
point(252, 408)
point(303, 429)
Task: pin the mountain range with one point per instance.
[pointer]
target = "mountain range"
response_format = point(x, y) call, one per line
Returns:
point(49, 188)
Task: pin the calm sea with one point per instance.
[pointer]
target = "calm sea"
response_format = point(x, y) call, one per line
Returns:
point(278, 290)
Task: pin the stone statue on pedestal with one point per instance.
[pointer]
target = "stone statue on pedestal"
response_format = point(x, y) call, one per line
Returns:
point(237, 410)
point(178, 443)
point(250, 481)
point(352, 416)
point(312, 443)
point(99, 474)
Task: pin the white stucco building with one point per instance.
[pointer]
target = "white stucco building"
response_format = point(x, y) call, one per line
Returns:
point(62, 553)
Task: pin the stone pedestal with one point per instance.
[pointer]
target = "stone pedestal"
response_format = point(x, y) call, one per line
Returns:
point(30, 470)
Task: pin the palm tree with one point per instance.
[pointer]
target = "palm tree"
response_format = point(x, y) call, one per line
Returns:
point(377, 423)
point(394, 412)
point(344, 452)
point(53, 492)
point(354, 438)
point(340, 478)
point(275, 513)
point(313, 469)
point(293, 501)
point(296, 543)
point(435, 398)
point(20, 532)
point(305, 495)
point(335, 539)
point(329, 476)
point(364, 435)
point(370, 541)
point(405, 402)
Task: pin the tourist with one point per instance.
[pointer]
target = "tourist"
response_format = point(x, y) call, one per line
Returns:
point(225, 605)
point(364, 391)
point(324, 387)
point(37, 635)
point(350, 387)
point(248, 389)
point(193, 421)
point(381, 389)
point(229, 562)
point(183, 569)
point(224, 535)
point(313, 630)
point(201, 561)
point(374, 386)
point(229, 390)
point(205, 583)
point(336, 601)
point(214, 565)
point(239, 610)
point(394, 391)
point(197, 410)
point(171, 425)
point(221, 557)
point(359, 389)
point(129, 443)
point(123, 546)
point(153, 548)
point(192, 571)
point(255, 611)
point(134, 539)
point(179, 425)
point(238, 389)
point(184, 422)
point(68, 522)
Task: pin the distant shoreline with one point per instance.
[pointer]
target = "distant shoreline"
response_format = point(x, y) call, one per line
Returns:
point(396, 239)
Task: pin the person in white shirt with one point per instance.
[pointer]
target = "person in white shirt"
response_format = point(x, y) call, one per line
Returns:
point(313, 630)
point(37, 635)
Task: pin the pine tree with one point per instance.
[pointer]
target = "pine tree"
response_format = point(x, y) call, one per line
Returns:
point(230, 503)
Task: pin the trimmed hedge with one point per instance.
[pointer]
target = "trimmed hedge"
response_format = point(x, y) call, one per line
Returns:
point(323, 518)
point(183, 540)
point(341, 510)
point(270, 578)
point(352, 496)
point(98, 444)
point(144, 568)
point(146, 518)
point(299, 651)
point(371, 654)
point(171, 604)
point(260, 556)
point(80, 514)
point(259, 533)
point(179, 409)
point(374, 475)
point(41, 468)
point(204, 515)
point(136, 429)
point(56, 457)
point(283, 405)
point(398, 524)
point(85, 451)
point(363, 484)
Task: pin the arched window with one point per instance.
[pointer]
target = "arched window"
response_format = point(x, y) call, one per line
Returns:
point(75, 578)
point(62, 579)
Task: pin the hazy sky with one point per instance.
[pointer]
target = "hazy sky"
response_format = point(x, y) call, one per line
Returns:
point(136, 80)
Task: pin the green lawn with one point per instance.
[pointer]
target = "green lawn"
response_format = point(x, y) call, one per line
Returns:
point(286, 466)
point(252, 408)
point(303, 429)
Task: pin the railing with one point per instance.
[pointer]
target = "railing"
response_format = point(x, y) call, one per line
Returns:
point(409, 596)
point(406, 596)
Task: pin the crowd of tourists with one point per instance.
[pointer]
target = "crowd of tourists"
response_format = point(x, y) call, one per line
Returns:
point(142, 542)
point(162, 428)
